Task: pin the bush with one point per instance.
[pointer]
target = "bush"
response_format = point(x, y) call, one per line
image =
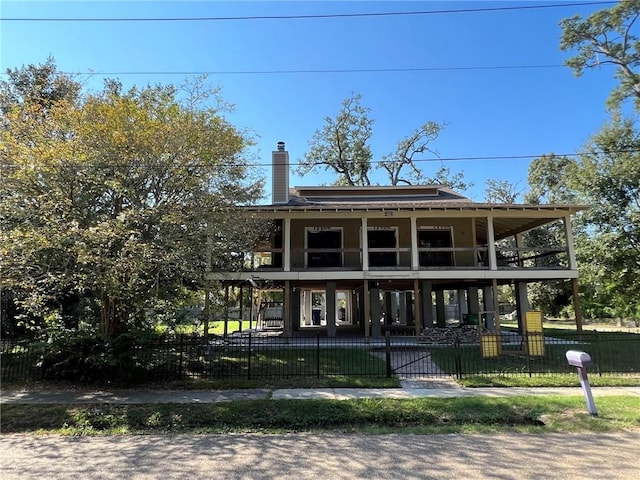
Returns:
point(91, 359)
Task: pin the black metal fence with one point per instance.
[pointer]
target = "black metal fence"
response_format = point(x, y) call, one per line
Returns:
point(256, 356)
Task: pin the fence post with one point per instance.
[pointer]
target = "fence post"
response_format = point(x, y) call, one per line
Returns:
point(598, 353)
point(318, 354)
point(527, 352)
point(249, 359)
point(387, 343)
point(458, 359)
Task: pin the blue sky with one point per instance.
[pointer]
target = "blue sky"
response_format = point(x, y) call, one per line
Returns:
point(489, 112)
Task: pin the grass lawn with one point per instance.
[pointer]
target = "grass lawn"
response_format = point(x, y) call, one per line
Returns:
point(615, 355)
point(453, 415)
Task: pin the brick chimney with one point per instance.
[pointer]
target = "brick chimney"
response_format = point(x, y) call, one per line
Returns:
point(280, 184)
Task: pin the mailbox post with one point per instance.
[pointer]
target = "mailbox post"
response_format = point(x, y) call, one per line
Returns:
point(582, 360)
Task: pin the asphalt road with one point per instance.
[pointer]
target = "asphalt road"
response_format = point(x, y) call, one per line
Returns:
point(330, 456)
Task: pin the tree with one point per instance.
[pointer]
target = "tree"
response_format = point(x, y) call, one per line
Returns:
point(608, 179)
point(501, 191)
point(549, 180)
point(40, 86)
point(415, 144)
point(110, 198)
point(342, 145)
point(607, 37)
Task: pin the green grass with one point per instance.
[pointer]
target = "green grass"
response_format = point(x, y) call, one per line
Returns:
point(610, 352)
point(467, 415)
point(558, 380)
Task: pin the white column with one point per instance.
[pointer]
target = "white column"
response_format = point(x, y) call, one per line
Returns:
point(286, 244)
point(570, 247)
point(491, 244)
point(415, 259)
point(365, 244)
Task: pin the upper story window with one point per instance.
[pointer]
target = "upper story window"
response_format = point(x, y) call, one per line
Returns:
point(323, 247)
point(385, 241)
point(435, 245)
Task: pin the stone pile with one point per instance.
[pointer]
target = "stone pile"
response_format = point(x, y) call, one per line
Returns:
point(448, 335)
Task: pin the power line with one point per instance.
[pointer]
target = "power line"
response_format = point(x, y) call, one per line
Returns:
point(317, 71)
point(375, 162)
point(300, 17)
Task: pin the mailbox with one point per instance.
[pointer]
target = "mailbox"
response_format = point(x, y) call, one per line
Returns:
point(578, 359)
point(582, 360)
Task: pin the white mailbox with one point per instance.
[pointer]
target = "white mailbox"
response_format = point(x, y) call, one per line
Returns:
point(578, 359)
point(582, 360)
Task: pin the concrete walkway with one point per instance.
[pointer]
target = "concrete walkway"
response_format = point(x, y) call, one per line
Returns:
point(213, 396)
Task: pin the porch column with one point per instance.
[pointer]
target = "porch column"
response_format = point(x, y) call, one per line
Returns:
point(496, 306)
point(331, 309)
point(491, 244)
point(441, 320)
point(427, 304)
point(489, 307)
point(415, 258)
point(295, 309)
point(286, 309)
point(473, 301)
point(402, 308)
point(462, 304)
point(389, 312)
point(358, 301)
point(367, 309)
point(307, 297)
point(417, 309)
point(408, 306)
point(522, 302)
point(376, 330)
point(364, 241)
point(571, 251)
point(286, 243)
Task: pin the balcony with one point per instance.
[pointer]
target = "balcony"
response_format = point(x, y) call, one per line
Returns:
point(399, 259)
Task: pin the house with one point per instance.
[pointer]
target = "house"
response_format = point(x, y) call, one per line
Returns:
point(401, 258)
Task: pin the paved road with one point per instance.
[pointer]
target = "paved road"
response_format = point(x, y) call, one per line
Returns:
point(326, 456)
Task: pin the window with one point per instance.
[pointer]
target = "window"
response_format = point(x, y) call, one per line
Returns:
point(435, 238)
point(386, 239)
point(320, 243)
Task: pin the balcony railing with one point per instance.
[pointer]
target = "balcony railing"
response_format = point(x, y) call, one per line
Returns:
point(350, 259)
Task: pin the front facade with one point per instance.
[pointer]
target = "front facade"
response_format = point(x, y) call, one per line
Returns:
point(400, 258)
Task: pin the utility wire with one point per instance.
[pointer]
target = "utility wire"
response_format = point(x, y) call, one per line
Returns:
point(316, 71)
point(375, 162)
point(299, 17)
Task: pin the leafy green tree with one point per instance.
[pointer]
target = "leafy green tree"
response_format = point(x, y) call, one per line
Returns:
point(608, 179)
point(415, 144)
point(39, 86)
point(341, 145)
point(110, 198)
point(501, 191)
point(607, 37)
